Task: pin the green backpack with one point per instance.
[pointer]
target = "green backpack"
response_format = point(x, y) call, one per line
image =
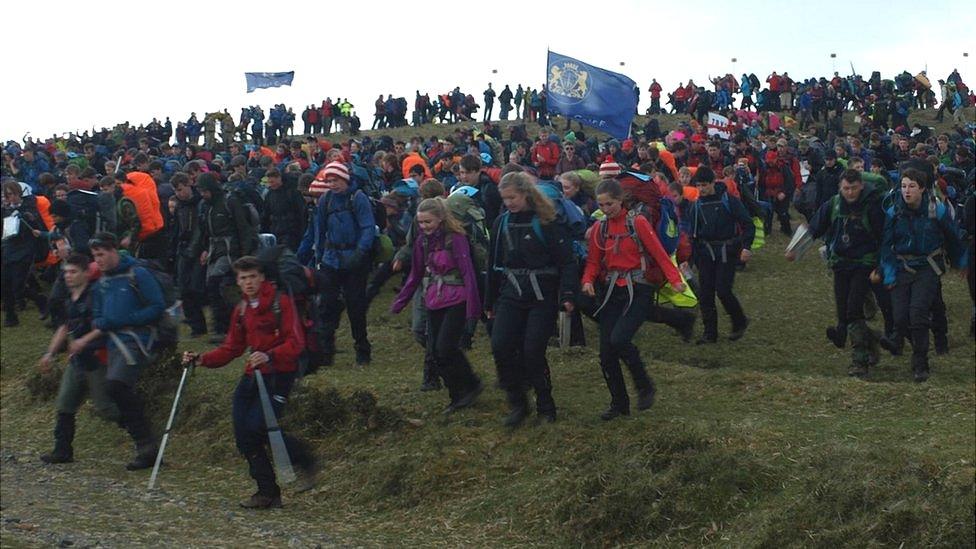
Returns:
point(472, 217)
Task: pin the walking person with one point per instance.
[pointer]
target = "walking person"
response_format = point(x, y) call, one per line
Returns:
point(441, 265)
point(722, 233)
point(920, 241)
point(532, 273)
point(127, 303)
point(266, 323)
point(86, 370)
point(619, 249)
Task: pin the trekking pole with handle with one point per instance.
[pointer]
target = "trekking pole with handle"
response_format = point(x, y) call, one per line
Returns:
point(169, 426)
point(279, 452)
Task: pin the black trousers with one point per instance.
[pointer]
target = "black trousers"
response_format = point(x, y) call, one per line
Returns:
point(251, 432)
point(851, 288)
point(445, 329)
point(619, 323)
point(350, 286)
point(217, 288)
point(717, 278)
point(519, 337)
point(13, 283)
point(912, 299)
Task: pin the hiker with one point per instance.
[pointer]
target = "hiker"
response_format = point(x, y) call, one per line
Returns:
point(339, 239)
point(226, 233)
point(441, 266)
point(852, 224)
point(85, 373)
point(619, 249)
point(19, 250)
point(722, 232)
point(266, 324)
point(127, 303)
point(471, 174)
point(190, 273)
point(532, 272)
point(283, 214)
point(920, 241)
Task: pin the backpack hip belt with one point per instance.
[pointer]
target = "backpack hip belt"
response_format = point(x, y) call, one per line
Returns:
point(533, 274)
point(930, 258)
point(450, 278)
point(710, 245)
point(629, 277)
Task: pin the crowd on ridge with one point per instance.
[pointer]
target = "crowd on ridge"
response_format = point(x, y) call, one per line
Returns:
point(119, 236)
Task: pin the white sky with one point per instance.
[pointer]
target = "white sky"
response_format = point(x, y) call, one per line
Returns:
point(73, 65)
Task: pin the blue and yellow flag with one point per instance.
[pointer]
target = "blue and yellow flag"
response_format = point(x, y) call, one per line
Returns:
point(593, 96)
point(268, 79)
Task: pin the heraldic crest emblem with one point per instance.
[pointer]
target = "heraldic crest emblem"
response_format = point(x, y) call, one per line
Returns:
point(568, 80)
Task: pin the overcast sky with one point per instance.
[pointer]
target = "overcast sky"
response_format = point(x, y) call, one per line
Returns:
point(73, 65)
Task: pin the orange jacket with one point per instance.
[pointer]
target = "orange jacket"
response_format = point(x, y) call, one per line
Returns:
point(150, 217)
point(414, 159)
point(44, 209)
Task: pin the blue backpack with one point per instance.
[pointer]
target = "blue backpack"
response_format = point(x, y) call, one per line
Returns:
point(667, 228)
point(568, 214)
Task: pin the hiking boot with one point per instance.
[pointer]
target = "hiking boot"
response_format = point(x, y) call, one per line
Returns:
point(941, 344)
point(837, 337)
point(306, 477)
point(363, 357)
point(470, 397)
point(516, 416)
point(431, 385)
point(548, 416)
point(11, 321)
point(738, 332)
point(64, 434)
point(145, 458)
point(859, 371)
point(706, 340)
point(687, 330)
point(645, 398)
point(892, 345)
point(261, 501)
point(613, 413)
point(518, 407)
point(920, 369)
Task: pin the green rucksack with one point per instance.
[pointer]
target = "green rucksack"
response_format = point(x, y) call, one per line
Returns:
point(472, 217)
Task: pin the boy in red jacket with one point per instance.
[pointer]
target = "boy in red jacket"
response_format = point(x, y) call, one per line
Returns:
point(266, 323)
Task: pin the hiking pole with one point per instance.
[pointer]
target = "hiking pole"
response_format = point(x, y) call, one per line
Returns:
point(169, 426)
point(279, 452)
point(565, 327)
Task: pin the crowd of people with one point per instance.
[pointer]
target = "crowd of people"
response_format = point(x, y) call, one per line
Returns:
point(120, 235)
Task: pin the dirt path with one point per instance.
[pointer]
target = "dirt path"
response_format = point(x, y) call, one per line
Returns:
point(80, 505)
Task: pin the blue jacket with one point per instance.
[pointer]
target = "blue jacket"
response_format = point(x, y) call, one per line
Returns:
point(914, 234)
point(30, 171)
point(342, 225)
point(127, 297)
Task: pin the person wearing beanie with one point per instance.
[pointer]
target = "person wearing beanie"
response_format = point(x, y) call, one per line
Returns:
point(226, 233)
point(610, 170)
point(339, 242)
point(721, 232)
point(920, 242)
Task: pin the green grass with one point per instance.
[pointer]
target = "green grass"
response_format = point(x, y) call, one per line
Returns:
point(762, 443)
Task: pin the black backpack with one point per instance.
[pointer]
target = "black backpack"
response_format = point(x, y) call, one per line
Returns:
point(282, 267)
point(84, 206)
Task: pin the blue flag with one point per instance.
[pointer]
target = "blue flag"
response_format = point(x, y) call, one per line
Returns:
point(257, 80)
point(593, 96)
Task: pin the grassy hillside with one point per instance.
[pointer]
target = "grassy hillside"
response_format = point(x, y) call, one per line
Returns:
point(761, 443)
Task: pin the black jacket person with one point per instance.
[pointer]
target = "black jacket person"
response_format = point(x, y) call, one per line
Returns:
point(226, 233)
point(722, 232)
point(852, 223)
point(532, 271)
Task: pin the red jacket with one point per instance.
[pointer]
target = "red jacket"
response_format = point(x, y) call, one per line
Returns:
point(620, 252)
point(546, 156)
point(260, 330)
point(655, 90)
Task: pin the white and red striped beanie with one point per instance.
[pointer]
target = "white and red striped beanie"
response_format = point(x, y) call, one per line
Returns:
point(609, 170)
point(337, 169)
